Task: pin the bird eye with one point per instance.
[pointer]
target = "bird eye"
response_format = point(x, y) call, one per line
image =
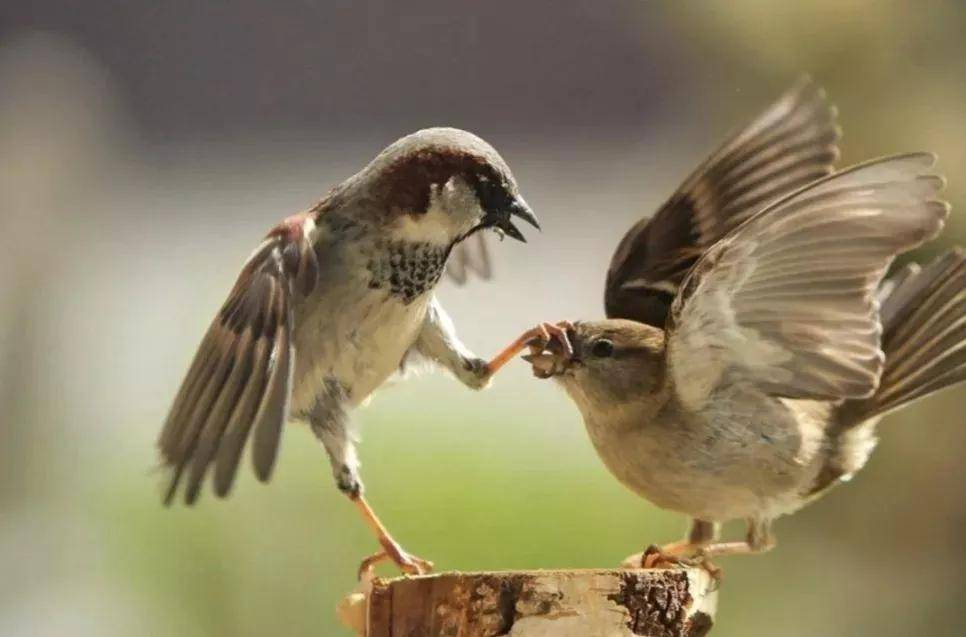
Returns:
point(602, 348)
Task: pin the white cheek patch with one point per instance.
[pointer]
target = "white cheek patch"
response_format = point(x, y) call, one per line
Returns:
point(461, 201)
point(452, 211)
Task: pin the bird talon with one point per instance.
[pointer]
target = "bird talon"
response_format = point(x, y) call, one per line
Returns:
point(558, 332)
point(408, 564)
point(544, 334)
point(675, 555)
point(413, 565)
point(368, 565)
point(536, 338)
point(550, 348)
point(656, 557)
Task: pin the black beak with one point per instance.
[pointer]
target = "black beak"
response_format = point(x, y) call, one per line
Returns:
point(503, 218)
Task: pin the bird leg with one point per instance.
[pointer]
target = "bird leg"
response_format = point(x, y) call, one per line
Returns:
point(329, 423)
point(700, 547)
point(686, 552)
point(759, 540)
point(409, 564)
point(538, 337)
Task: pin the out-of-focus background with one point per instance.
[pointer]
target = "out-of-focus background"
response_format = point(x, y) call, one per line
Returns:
point(146, 147)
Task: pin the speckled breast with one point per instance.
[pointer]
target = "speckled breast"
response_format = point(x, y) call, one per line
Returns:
point(406, 269)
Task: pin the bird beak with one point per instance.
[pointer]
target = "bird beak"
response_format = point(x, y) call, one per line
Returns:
point(503, 219)
point(544, 365)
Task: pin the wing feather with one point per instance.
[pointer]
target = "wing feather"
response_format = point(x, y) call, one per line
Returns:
point(788, 301)
point(191, 429)
point(791, 144)
point(190, 389)
point(470, 257)
point(236, 431)
point(273, 409)
point(240, 380)
point(211, 431)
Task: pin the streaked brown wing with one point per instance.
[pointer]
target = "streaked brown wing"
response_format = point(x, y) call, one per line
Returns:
point(471, 257)
point(238, 385)
point(791, 144)
point(924, 331)
point(787, 302)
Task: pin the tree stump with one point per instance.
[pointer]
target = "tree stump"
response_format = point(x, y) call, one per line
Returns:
point(582, 603)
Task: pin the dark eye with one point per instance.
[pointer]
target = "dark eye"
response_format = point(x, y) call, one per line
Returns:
point(602, 348)
point(491, 193)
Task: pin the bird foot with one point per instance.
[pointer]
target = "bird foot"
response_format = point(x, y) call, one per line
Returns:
point(537, 339)
point(672, 556)
point(475, 373)
point(391, 551)
point(550, 348)
point(408, 564)
point(547, 333)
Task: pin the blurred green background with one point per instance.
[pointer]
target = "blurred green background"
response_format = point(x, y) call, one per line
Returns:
point(146, 147)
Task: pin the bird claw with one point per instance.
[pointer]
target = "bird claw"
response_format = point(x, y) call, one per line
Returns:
point(408, 564)
point(550, 348)
point(655, 557)
point(545, 334)
point(537, 339)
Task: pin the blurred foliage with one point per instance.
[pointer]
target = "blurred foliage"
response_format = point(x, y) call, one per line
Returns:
point(121, 232)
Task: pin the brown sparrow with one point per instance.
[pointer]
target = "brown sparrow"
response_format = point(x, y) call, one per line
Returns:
point(751, 347)
point(330, 305)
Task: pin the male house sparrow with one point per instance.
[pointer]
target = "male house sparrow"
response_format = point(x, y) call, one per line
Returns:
point(750, 351)
point(330, 305)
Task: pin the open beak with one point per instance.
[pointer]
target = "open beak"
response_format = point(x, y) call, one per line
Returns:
point(503, 219)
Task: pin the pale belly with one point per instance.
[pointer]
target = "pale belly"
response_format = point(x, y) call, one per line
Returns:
point(355, 339)
point(714, 472)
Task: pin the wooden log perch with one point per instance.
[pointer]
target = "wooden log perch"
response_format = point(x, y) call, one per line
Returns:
point(582, 603)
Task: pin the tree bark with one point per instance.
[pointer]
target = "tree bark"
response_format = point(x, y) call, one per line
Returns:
point(583, 603)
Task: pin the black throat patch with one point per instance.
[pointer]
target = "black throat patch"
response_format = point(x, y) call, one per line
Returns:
point(406, 269)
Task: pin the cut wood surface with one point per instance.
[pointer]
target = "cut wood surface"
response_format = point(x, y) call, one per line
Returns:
point(580, 603)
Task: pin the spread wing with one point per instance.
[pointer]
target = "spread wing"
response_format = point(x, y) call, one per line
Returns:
point(470, 257)
point(791, 144)
point(787, 302)
point(239, 384)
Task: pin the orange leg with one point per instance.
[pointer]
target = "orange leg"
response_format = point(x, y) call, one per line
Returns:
point(654, 556)
point(731, 548)
point(687, 551)
point(391, 550)
point(701, 547)
point(759, 540)
point(706, 553)
point(538, 336)
point(676, 554)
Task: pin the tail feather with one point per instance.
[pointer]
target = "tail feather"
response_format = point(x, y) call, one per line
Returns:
point(923, 314)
